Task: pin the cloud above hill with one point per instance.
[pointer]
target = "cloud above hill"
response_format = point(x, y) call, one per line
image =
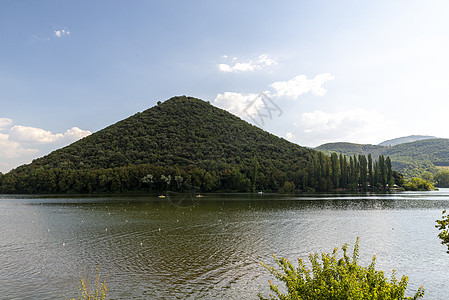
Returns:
point(300, 85)
point(249, 105)
point(32, 135)
point(246, 66)
point(318, 127)
point(20, 144)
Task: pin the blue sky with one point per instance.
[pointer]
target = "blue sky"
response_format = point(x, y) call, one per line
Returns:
point(357, 71)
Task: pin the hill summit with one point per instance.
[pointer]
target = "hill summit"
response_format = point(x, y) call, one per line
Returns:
point(186, 143)
point(181, 131)
point(184, 137)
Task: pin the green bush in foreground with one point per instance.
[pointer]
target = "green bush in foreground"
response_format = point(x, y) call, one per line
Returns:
point(336, 279)
point(443, 225)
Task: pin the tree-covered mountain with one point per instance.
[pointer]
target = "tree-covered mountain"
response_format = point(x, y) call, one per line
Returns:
point(181, 131)
point(412, 159)
point(406, 139)
point(183, 143)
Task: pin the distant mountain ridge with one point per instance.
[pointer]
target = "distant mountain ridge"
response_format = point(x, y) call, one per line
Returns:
point(406, 139)
point(411, 159)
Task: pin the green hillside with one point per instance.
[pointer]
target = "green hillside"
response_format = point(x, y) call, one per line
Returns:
point(411, 159)
point(179, 143)
point(186, 143)
point(181, 131)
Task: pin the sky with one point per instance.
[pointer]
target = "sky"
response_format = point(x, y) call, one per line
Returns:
point(312, 72)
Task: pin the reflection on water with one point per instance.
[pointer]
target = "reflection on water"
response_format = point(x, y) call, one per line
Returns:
point(186, 247)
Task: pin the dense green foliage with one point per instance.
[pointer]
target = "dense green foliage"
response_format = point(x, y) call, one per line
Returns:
point(184, 143)
point(418, 184)
point(442, 178)
point(443, 226)
point(179, 132)
point(336, 279)
point(411, 159)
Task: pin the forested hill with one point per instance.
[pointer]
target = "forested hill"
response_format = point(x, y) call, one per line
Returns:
point(186, 143)
point(411, 159)
point(181, 131)
point(184, 137)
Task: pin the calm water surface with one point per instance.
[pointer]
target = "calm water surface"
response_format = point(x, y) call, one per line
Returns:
point(209, 248)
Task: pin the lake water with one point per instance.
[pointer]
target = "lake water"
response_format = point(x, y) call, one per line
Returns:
point(183, 247)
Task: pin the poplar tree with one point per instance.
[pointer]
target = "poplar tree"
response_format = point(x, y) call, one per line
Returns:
point(370, 170)
point(335, 169)
point(363, 170)
point(343, 171)
point(390, 179)
point(382, 171)
point(376, 175)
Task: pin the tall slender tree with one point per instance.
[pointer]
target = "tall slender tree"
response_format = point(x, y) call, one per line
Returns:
point(382, 171)
point(335, 170)
point(343, 171)
point(363, 171)
point(389, 171)
point(370, 170)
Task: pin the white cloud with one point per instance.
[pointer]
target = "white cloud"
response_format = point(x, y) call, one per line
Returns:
point(300, 85)
point(31, 135)
point(25, 134)
point(75, 134)
point(249, 105)
point(264, 60)
point(22, 144)
point(255, 108)
point(12, 149)
point(13, 154)
point(242, 105)
point(58, 33)
point(238, 67)
point(357, 126)
point(61, 32)
point(5, 122)
point(262, 106)
point(248, 66)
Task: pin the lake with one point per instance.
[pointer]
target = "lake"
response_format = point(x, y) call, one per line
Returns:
point(183, 247)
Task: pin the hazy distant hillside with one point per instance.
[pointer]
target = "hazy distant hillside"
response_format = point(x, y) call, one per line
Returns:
point(406, 139)
point(411, 159)
point(351, 149)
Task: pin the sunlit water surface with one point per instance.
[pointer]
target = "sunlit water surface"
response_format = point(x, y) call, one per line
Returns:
point(183, 247)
